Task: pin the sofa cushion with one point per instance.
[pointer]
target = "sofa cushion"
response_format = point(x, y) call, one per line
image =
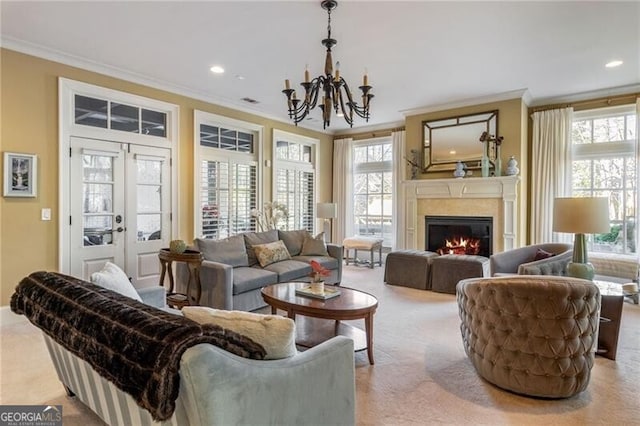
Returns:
point(271, 253)
point(230, 251)
point(314, 246)
point(113, 278)
point(289, 270)
point(255, 238)
point(294, 240)
point(247, 279)
point(326, 261)
point(276, 334)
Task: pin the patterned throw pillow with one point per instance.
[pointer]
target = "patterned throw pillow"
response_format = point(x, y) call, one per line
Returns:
point(271, 253)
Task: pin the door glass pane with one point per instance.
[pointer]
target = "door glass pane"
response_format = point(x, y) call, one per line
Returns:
point(125, 117)
point(97, 199)
point(149, 199)
point(90, 111)
point(97, 230)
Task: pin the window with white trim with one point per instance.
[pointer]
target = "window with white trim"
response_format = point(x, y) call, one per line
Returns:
point(372, 188)
point(226, 175)
point(604, 164)
point(294, 177)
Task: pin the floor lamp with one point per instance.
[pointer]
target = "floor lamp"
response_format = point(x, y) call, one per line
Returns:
point(327, 211)
point(580, 216)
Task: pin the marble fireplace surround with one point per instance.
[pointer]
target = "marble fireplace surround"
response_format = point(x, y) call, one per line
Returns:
point(493, 196)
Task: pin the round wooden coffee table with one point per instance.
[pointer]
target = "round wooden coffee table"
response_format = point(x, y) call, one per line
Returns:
point(349, 305)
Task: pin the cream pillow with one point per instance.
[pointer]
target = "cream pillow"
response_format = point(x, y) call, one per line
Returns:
point(114, 278)
point(275, 333)
point(271, 253)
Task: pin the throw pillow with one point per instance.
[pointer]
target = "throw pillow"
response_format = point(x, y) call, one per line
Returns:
point(271, 253)
point(314, 246)
point(542, 254)
point(254, 238)
point(275, 333)
point(230, 251)
point(113, 278)
point(293, 240)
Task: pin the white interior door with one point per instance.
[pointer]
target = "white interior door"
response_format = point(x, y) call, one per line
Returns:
point(120, 209)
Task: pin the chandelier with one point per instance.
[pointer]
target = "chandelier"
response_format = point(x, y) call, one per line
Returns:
point(328, 91)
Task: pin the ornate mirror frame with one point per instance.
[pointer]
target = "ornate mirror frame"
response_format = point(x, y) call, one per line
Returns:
point(446, 141)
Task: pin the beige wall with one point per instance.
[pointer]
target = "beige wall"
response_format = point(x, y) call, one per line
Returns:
point(512, 124)
point(29, 124)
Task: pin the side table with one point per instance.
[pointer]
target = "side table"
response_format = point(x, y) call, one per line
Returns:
point(193, 259)
point(610, 317)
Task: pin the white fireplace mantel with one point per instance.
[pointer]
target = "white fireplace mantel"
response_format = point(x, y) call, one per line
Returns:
point(504, 188)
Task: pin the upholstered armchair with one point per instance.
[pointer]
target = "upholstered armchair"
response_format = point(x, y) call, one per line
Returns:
point(533, 335)
point(537, 259)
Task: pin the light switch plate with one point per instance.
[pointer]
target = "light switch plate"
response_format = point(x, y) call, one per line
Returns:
point(46, 214)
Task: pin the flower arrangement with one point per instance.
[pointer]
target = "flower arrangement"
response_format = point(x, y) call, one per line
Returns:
point(318, 272)
point(271, 214)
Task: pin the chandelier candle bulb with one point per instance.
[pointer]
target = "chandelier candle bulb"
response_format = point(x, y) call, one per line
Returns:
point(306, 74)
point(287, 85)
point(365, 79)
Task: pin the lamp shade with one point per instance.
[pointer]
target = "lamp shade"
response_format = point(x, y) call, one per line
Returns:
point(582, 215)
point(326, 210)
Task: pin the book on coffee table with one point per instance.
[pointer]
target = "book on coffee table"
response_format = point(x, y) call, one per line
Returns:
point(328, 293)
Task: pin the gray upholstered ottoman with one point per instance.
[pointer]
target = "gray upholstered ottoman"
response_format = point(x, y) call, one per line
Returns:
point(408, 268)
point(448, 269)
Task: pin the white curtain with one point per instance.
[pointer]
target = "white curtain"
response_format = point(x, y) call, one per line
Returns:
point(550, 169)
point(343, 225)
point(637, 178)
point(399, 173)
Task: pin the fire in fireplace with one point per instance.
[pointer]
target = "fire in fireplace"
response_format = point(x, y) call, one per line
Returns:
point(459, 235)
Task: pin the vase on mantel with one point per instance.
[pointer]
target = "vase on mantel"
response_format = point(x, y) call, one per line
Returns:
point(512, 167)
point(484, 163)
point(498, 162)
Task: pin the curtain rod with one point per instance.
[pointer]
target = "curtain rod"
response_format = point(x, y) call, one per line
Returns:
point(607, 99)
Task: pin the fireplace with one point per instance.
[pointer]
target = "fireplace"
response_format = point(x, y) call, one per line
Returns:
point(459, 235)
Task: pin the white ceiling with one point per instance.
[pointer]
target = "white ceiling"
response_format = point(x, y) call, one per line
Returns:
point(419, 54)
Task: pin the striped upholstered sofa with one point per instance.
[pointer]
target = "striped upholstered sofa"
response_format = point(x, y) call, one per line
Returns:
point(209, 386)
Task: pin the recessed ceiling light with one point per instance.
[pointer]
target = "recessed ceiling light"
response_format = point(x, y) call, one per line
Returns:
point(239, 77)
point(452, 152)
point(613, 64)
point(217, 69)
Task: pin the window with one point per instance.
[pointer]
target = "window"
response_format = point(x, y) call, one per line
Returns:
point(227, 178)
point(604, 165)
point(112, 115)
point(294, 177)
point(372, 180)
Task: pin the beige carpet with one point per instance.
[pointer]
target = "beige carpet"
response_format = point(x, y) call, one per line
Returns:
point(421, 375)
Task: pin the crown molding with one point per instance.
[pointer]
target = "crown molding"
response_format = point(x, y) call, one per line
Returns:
point(54, 55)
point(505, 96)
point(594, 94)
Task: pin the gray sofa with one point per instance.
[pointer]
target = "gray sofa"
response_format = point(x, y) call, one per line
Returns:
point(216, 387)
point(232, 277)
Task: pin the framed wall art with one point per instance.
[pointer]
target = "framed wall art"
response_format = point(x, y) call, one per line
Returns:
point(20, 174)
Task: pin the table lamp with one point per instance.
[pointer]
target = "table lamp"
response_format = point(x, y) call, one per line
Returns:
point(580, 216)
point(327, 211)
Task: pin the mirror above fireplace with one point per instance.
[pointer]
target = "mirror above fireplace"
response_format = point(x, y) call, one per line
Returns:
point(449, 140)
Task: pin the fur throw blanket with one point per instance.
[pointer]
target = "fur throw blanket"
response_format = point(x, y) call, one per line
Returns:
point(133, 345)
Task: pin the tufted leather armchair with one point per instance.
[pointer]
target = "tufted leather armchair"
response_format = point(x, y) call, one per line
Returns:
point(533, 335)
point(521, 260)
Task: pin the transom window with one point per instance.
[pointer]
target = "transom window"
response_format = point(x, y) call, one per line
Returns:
point(107, 114)
point(604, 165)
point(373, 197)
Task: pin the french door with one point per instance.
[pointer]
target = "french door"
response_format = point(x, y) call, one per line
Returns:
point(120, 208)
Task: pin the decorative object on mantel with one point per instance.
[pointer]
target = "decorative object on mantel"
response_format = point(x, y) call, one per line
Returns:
point(497, 141)
point(336, 94)
point(512, 167)
point(580, 216)
point(459, 171)
point(415, 163)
